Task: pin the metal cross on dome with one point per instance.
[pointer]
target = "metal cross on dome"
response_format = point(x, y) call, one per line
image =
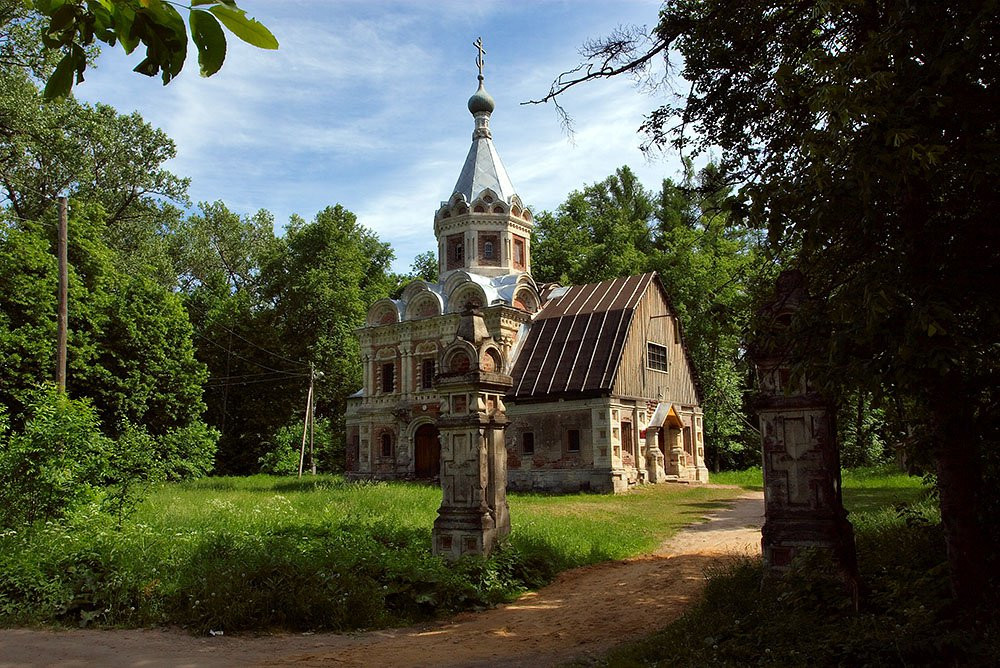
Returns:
point(479, 57)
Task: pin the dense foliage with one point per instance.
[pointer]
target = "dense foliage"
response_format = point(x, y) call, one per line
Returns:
point(130, 348)
point(177, 322)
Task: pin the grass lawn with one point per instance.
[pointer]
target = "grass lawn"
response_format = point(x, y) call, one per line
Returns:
point(244, 554)
point(865, 489)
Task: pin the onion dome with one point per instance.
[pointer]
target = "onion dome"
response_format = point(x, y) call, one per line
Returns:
point(481, 101)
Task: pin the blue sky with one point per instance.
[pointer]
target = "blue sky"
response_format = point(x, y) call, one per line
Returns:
point(364, 105)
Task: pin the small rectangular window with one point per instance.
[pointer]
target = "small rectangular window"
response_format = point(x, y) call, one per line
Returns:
point(528, 443)
point(656, 356)
point(426, 374)
point(573, 440)
point(388, 377)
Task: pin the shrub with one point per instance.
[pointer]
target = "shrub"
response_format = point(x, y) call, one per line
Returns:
point(54, 464)
point(283, 456)
point(187, 452)
point(131, 464)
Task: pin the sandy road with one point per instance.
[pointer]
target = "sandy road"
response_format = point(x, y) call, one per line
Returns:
point(584, 612)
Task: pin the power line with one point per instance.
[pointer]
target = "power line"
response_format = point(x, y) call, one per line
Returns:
point(246, 340)
point(230, 352)
point(213, 386)
point(254, 375)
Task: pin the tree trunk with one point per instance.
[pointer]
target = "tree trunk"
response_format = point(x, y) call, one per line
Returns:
point(960, 483)
point(859, 427)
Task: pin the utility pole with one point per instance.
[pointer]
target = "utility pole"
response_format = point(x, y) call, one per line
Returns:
point(312, 421)
point(307, 422)
point(63, 319)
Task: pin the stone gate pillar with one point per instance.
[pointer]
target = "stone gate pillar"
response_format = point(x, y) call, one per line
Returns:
point(803, 506)
point(474, 514)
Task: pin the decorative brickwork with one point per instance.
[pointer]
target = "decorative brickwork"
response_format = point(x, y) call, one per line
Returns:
point(473, 515)
point(489, 249)
point(519, 259)
point(455, 248)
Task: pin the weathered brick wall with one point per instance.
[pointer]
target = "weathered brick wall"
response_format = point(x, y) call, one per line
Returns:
point(561, 481)
point(551, 439)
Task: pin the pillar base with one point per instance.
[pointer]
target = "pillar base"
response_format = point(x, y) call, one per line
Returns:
point(463, 531)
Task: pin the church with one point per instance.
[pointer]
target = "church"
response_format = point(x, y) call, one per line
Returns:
point(603, 394)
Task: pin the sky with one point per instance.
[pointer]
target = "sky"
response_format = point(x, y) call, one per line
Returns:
point(364, 105)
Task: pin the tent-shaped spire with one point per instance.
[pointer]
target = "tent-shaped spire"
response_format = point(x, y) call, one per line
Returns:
point(483, 168)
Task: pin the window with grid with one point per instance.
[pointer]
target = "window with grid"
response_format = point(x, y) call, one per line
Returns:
point(656, 356)
point(426, 374)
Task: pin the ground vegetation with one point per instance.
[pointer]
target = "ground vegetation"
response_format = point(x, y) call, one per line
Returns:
point(266, 553)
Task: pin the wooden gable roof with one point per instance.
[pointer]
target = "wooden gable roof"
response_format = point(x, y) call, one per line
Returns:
point(575, 342)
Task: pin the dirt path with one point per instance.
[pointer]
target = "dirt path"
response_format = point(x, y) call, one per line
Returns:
point(584, 612)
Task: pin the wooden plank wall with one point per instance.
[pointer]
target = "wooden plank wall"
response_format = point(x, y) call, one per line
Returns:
point(634, 379)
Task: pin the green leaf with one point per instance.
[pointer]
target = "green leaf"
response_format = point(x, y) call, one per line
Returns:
point(247, 29)
point(210, 40)
point(124, 19)
point(61, 81)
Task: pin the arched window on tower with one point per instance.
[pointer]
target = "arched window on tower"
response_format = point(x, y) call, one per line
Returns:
point(488, 250)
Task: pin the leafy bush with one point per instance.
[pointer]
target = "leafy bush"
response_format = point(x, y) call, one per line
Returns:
point(54, 464)
point(131, 464)
point(283, 456)
point(187, 452)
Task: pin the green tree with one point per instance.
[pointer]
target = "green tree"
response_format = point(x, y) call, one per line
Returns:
point(709, 265)
point(130, 346)
point(425, 267)
point(322, 281)
point(865, 139)
point(98, 156)
point(598, 233)
point(253, 386)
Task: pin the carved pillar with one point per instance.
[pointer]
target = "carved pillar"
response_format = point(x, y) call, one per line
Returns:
point(654, 458)
point(674, 447)
point(405, 371)
point(474, 514)
point(367, 366)
point(803, 507)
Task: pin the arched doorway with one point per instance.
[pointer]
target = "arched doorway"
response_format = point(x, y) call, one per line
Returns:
point(427, 452)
